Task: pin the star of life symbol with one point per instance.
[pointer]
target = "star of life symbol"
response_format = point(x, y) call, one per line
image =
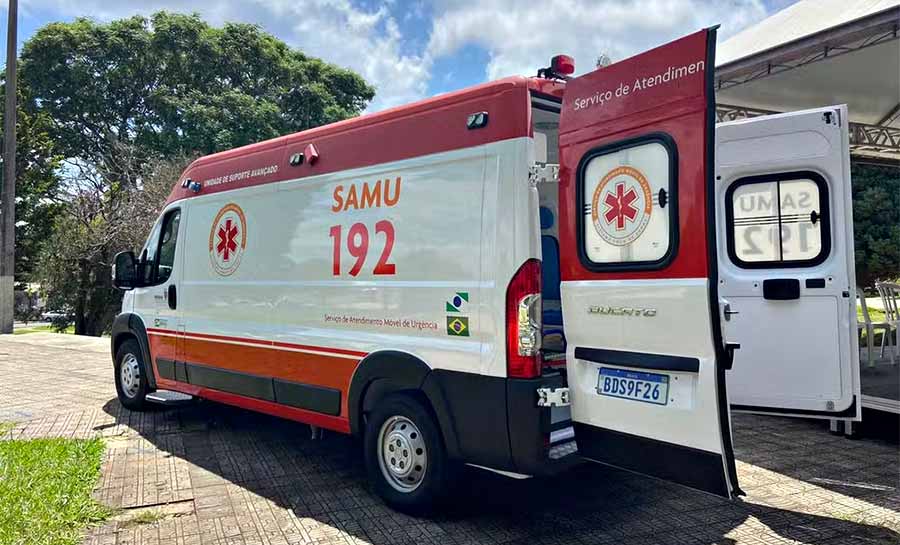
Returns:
point(227, 239)
point(227, 244)
point(621, 206)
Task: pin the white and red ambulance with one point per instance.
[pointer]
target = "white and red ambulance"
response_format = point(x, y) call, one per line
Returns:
point(513, 276)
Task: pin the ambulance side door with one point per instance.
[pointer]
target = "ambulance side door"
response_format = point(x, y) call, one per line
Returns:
point(786, 263)
point(157, 300)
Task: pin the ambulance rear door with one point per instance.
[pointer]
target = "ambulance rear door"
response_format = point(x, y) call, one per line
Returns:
point(645, 358)
point(786, 264)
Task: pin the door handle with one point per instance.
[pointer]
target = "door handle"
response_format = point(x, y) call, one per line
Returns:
point(728, 312)
point(173, 297)
point(781, 289)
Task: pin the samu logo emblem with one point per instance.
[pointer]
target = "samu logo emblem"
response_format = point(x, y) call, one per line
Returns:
point(227, 239)
point(621, 206)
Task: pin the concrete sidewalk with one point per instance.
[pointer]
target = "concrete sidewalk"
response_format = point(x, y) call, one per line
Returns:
point(221, 475)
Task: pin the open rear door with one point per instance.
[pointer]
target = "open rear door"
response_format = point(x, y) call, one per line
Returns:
point(646, 362)
point(786, 264)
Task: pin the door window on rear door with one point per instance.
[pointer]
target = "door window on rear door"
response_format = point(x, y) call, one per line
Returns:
point(778, 220)
point(626, 194)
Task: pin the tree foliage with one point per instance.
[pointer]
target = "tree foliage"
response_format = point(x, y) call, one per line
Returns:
point(37, 180)
point(172, 84)
point(130, 99)
point(876, 218)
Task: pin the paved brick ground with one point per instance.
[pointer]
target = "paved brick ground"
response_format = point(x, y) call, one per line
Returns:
point(225, 476)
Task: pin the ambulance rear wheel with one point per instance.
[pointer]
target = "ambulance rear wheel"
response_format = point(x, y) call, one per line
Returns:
point(131, 376)
point(405, 456)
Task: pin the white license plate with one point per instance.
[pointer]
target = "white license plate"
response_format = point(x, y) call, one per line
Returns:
point(634, 385)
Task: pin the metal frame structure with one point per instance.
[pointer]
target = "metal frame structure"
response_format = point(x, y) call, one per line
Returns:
point(872, 143)
point(867, 32)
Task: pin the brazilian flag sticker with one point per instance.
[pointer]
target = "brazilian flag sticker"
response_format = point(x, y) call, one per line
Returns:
point(458, 326)
point(455, 304)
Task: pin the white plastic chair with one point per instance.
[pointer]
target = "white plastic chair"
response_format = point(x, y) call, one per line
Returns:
point(870, 328)
point(890, 298)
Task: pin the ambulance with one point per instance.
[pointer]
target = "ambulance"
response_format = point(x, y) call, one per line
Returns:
point(515, 276)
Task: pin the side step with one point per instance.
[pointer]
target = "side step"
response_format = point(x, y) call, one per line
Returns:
point(169, 398)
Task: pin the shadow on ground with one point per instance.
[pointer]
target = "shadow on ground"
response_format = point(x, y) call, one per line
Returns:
point(864, 467)
point(325, 480)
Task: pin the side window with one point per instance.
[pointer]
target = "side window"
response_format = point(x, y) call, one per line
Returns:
point(148, 254)
point(167, 241)
point(627, 194)
point(778, 220)
point(160, 249)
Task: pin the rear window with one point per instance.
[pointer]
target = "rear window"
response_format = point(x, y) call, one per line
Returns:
point(778, 220)
point(627, 194)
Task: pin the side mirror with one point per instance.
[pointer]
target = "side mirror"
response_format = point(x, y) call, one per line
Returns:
point(124, 271)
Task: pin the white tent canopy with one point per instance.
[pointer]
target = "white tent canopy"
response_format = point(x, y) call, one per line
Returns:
point(817, 53)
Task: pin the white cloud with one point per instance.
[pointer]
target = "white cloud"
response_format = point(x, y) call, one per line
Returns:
point(522, 38)
point(519, 37)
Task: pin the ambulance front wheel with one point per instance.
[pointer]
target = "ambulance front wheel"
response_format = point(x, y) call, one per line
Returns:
point(131, 376)
point(405, 456)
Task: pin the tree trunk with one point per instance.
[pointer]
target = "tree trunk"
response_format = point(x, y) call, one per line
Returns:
point(102, 305)
point(81, 303)
point(79, 312)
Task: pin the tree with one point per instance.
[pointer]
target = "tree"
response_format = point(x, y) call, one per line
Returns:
point(876, 219)
point(173, 84)
point(97, 222)
point(37, 180)
point(127, 96)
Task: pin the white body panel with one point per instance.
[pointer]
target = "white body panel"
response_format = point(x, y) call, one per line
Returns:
point(447, 239)
point(797, 356)
point(691, 411)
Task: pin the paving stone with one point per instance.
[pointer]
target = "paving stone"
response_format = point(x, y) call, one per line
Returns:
point(254, 479)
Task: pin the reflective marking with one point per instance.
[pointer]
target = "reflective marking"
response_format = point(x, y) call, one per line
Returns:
point(330, 352)
point(344, 283)
point(562, 435)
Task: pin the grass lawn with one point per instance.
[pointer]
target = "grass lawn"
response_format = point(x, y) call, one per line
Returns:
point(875, 314)
point(45, 490)
point(46, 328)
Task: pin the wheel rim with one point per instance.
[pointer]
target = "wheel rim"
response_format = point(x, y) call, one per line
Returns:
point(130, 375)
point(401, 453)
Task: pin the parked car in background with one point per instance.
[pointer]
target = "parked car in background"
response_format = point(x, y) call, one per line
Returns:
point(54, 315)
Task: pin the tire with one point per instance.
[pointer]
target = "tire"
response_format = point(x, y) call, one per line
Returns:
point(415, 477)
point(133, 385)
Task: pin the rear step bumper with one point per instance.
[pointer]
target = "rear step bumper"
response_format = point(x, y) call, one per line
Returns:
point(541, 438)
point(562, 443)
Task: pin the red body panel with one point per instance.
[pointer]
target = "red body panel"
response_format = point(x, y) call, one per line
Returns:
point(673, 107)
point(429, 126)
point(327, 367)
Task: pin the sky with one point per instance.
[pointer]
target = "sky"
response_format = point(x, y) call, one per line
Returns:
point(412, 49)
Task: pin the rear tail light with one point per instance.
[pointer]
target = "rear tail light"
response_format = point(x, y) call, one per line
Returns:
point(523, 322)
